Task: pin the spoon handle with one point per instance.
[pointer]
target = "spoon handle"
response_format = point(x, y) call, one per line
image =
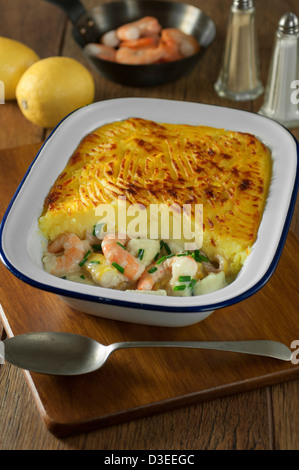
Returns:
point(267, 348)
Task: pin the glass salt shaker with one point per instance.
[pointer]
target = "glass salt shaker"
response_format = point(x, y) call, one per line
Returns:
point(239, 77)
point(281, 95)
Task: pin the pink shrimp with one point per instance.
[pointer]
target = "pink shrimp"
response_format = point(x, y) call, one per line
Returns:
point(170, 47)
point(110, 39)
point(146, 26)
point(149, 279)
point(127, 55)
point(141, 43)
point(73, 250)
point(177, 44)
point(114, 251)
point(101, 51)
point(170, 268)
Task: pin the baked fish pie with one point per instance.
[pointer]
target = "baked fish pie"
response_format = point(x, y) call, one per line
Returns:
point(146, 164)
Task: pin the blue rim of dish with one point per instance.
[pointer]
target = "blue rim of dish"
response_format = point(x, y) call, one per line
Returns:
point(140, 305)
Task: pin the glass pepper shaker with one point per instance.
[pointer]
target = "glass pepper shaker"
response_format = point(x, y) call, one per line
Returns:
point(239, 77)
point(281, 96)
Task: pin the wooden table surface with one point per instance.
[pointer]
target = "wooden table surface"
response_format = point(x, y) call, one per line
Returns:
point(263, 419)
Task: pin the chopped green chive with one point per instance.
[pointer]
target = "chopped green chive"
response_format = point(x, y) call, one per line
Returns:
point(198, 257)
point(184, 278)
point(168, 250)
point(164, 244)
point(96, 247)
point(118, 267)
point(94, 262)
point(182, 287)
point(192, 284)
point(201, 258)
point(161, 260)
point(120, 244)
point(85, 258)
point(170, 256)
point(82, 276)
point(140, 253)
point(152, 270)
point(157, 256)
point(182, 254)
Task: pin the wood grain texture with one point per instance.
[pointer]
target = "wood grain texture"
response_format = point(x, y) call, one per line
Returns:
point(262, 419)
point(285, 406)
point(215, 425)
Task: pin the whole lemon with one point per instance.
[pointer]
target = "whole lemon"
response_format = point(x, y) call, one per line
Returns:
point(15, 58)
point(52, 88)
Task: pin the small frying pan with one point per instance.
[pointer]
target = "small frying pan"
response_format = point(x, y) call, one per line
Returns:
point(89, 26)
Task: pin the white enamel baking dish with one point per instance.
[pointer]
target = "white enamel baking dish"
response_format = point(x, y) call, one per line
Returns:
point(21, 244)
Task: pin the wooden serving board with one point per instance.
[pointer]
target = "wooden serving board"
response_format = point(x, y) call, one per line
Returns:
point(140, 382)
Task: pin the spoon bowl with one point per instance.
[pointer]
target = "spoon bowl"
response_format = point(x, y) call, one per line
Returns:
point(58, 353)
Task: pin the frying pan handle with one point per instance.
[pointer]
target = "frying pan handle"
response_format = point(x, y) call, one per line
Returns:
point(73, 8)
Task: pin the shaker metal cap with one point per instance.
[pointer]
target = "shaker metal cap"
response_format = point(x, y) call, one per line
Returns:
point(243, 4)
point(289, 24)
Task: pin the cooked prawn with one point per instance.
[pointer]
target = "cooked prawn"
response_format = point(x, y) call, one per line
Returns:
point(151, 55)
point(169, 47)
point(141, 43)
point(149, 279)
point(101, 51)
point(146, 26)
point(177, 44)
point(171, 267)
point(110, 39)
point(64, 254)
point(114, 251)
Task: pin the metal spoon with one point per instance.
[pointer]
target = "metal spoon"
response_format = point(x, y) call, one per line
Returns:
point(71, 354)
